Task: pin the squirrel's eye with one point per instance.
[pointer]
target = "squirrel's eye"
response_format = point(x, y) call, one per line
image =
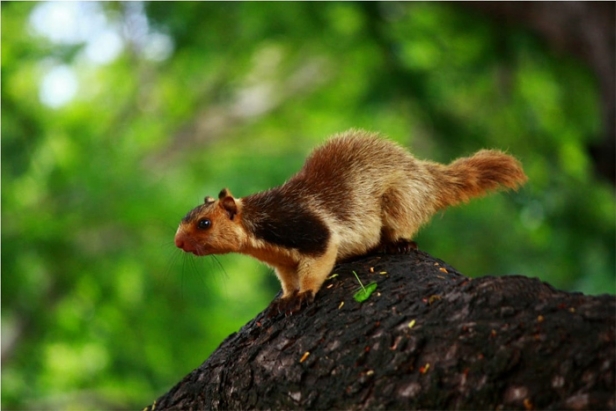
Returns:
point(204, 224)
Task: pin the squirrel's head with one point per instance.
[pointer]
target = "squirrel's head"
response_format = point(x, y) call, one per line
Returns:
point(213, 227)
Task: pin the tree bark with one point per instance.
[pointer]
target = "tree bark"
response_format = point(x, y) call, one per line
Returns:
point(428, 338)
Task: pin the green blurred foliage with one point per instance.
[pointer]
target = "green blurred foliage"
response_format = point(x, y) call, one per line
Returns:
point(99, 310)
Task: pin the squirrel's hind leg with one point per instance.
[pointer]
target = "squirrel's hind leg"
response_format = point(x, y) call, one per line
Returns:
point(400, 220)
point(391, 243)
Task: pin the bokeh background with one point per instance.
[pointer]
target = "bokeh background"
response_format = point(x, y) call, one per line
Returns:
point(117, 118)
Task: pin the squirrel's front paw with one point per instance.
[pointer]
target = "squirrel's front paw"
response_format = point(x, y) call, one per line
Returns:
point(291, 304)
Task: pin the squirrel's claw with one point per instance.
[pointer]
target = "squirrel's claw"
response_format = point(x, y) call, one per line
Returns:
point(398, 247)
point(291, 304)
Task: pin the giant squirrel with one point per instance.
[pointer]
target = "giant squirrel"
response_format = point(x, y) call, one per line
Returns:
point(355, 194)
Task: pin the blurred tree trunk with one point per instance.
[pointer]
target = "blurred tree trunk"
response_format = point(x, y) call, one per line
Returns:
point(585, 30)
point(428, 337)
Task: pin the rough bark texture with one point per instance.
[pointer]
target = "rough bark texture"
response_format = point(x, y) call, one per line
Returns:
point(428, 337)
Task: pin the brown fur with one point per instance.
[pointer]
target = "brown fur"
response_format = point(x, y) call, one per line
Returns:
point(355, 193)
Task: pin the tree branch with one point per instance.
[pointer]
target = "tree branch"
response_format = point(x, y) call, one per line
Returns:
point(428, 337)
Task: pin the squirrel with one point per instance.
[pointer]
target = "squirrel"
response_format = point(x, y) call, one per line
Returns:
point(356, 194)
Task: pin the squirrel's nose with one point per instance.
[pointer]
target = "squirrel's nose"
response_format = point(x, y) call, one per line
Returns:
point(181, 242)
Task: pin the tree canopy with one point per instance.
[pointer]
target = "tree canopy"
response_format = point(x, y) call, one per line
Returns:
point(117, 118)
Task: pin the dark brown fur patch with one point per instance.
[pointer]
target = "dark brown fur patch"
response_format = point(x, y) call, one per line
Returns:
point(196, 212)
point(280, 217)
point(326, 176)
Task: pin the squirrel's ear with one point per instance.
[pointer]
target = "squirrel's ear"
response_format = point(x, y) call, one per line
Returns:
point(225, 192)
point(208, 200)
point(227, 202)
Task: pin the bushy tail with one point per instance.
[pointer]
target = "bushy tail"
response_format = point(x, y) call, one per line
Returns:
point(474, 176)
